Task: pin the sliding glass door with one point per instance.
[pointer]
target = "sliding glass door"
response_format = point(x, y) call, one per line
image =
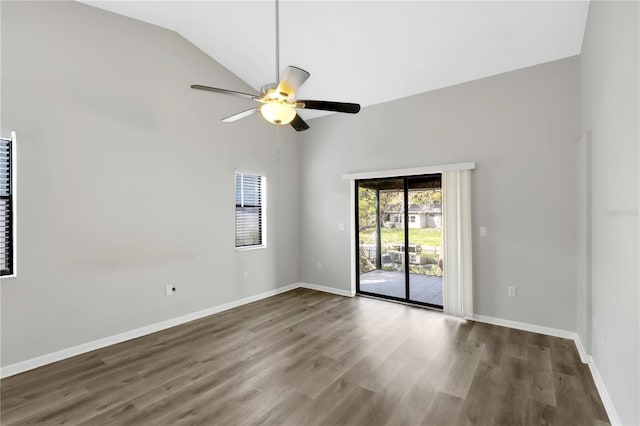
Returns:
point(425, 240)
point(381, 237)
point(399, 239)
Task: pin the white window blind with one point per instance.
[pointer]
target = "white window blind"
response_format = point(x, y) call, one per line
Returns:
point(456, 214)
point(6, 210)
point(249, 210)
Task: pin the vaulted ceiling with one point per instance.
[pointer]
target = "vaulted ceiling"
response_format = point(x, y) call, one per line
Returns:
point(371, 51)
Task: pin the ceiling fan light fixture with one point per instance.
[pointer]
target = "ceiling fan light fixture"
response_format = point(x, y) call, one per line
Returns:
point(278, 112)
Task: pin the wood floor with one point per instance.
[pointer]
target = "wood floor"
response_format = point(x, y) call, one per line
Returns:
point(306, 357)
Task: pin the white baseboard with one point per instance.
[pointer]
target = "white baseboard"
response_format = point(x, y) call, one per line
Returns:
point(39, 361)
point(584, 357)
point(326, 289)
point(556, 332)
point(604, 395)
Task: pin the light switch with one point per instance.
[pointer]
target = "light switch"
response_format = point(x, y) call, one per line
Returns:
point(341, 226)
point(483, 231)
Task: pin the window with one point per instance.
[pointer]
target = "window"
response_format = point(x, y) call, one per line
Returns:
point(250, 213)
point(6, 207)
point(412, 219)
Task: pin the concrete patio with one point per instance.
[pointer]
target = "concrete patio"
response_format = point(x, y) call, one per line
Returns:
point(422, 288)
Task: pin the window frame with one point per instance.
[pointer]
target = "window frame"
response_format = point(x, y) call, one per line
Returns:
point(12, 202)
point(263, 211)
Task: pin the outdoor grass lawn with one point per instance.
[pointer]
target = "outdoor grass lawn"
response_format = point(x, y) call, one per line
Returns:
point(422, 236)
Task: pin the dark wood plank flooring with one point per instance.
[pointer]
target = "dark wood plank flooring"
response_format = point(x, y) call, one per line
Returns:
point(305, 357)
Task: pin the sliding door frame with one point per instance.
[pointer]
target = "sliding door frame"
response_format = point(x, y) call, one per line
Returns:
point(407, 272)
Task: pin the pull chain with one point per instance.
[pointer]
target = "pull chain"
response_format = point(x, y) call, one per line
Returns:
point(278, 144)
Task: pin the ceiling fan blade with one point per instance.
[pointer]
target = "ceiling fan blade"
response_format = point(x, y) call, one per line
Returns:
point(292, 79)
point(226, 92)
point(238, 116)
point(329, 106)
point(299, 124)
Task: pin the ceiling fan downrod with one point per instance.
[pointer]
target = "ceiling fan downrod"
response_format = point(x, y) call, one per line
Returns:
point(277, 40)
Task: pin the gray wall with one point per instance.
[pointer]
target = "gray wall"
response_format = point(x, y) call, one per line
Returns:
point(521, 128)
point(126, 179)
point(609, 68)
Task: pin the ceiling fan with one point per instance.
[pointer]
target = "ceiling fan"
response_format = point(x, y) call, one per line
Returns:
point(278, 102)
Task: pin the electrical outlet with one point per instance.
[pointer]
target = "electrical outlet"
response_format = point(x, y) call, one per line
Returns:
point(169, 290)
point(341, 226)
point(245, 275)
point(511, 291)
point(319, 265)
point(483, 231)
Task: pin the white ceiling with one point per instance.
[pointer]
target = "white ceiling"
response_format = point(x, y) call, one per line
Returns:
point(370, 51)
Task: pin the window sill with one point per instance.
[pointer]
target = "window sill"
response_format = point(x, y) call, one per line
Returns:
point(249, 248)
point(4, 277)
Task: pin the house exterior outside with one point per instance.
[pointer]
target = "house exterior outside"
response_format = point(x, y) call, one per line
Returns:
point(427, 215)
